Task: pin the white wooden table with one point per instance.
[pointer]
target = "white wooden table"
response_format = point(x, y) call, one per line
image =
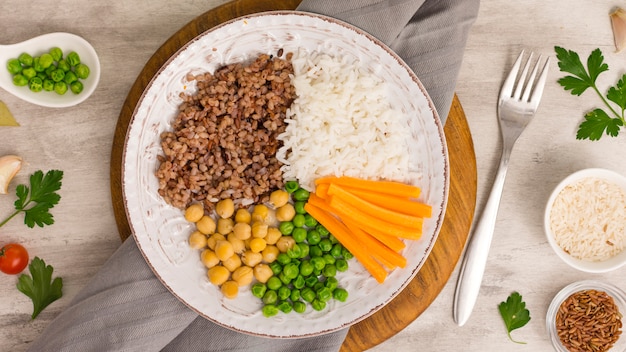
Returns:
point(78, 141)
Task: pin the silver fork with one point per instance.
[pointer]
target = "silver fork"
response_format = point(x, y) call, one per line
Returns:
point(515, 110)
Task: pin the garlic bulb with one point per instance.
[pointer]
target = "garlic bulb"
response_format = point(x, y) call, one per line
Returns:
point(618, 23)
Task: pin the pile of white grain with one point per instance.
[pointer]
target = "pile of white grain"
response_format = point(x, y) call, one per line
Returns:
point(588, 219)
point(341, 123)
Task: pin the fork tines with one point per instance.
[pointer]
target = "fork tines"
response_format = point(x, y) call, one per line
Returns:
point(526, 84)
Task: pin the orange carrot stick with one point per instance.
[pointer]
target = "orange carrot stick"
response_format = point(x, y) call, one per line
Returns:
point(390, 241)
point(403, 205)
point(322, 190)
point(387, 187)
point(379, 250)
point(344, 236)
point(373, 209)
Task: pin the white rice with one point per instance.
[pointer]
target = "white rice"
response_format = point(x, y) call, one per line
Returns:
point(588, 219)
point(341, 123)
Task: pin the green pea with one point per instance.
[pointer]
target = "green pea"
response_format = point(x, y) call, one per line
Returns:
point(345, 253)
point(283, 258)
point(299, 207)
point(329, 270)
point(318, 286)
point(328, 258)
point(325, 245)
point(298, 282)
point(313, 237)
point(310, 281)
point(258, 289)
point(332, 238)
point(63, 65)
point(82, 71)
point(45, 60)
point(285, 307)
point(41, 75)
point(60, 88)
point(49, 70)
point(342, 265)
point(283, 293)
point(306, 268)
point(37, 64)
point(291, 270)
point(48, 85)
point(307, 294)
point(273, 283)
point(299, 234)
point(284, 279)
point(286, 227)
point(322, 230)
point(318, 304)
point(76, 87)
point(304, 249)
point(324, 294)
point(295, 295)
point(340, 294)
point(57, 75)
point(56, 53)
point(318, 263)
point(299, 307)
point(309, 220)
point(291, 186)
point(336, 250)
point(270, 310)
point(19, 80)
point(73, 59)
point(70, 77)
point(14, 66)
point(300, 194)
point(25, 59)
point(315, 251)
point(35, 84)
point(29, 72)
point(270, 297)
point(331, 283)
point(294, 252)
point(276, 267)
point(298, 220)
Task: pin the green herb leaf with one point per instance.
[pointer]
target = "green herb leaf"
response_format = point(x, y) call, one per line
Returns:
point(596, 122)
point(617, 94)
point(40, 287)
point(42, 192)
point(569, 62)
point(514, 313)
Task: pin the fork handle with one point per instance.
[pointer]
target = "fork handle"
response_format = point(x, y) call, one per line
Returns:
point(477, 251)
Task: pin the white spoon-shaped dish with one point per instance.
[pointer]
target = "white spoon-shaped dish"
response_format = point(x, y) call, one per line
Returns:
point(42, 44)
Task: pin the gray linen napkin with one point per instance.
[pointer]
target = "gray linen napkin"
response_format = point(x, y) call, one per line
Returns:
point(126, 308)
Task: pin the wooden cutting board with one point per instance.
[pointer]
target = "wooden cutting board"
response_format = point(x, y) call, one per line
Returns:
point(430, 280)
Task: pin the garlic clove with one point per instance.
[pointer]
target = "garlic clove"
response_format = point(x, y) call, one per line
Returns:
point(618, 23)
point(10, 165)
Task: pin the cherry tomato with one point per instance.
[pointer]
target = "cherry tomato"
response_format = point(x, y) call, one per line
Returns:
point(13, 258)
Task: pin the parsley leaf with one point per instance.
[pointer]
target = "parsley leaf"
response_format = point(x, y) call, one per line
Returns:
point(597, 122)
point(514, 313)
point(37, 200)
point(40, 287)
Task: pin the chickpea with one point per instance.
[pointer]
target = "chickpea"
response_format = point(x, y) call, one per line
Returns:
point(224, 249)
point(232, 263)
point(212, 240)
point(242, 230)
point(285, 243)
point(273, 235)
point(243, 275)
point(194, 212)
point(251, 258)
point(230, 289)
point(225, 208)
point(260, 212)
point(259, 229)
point(209, 258)
point(225, 226)
point(206, 225)
point(238, 245)
point(257, 245)
point(270, 253)
point(197, 240)
point(262, 272)
point(243, 215)
point(279, 198)
point(286, 212)
point(218, 275)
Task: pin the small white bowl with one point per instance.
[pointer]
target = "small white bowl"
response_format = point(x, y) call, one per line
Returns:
point(587, 266)
point(618, 295)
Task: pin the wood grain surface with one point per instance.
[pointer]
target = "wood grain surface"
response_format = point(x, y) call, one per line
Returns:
point(424, 288)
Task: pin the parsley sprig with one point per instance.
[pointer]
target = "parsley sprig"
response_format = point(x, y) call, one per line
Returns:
point(40, 287)
point(37, 200)
point(514, 313)
point(597, 122)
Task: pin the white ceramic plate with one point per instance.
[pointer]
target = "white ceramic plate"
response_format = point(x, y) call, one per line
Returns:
point(161, 231)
